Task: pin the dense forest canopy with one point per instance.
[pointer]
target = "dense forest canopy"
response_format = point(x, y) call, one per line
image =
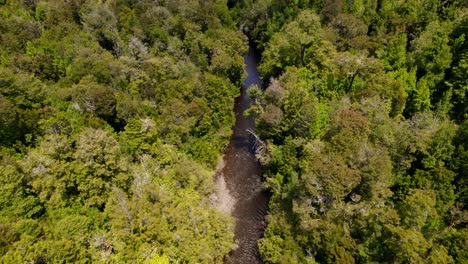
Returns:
point(113, 115)
point(364, 117)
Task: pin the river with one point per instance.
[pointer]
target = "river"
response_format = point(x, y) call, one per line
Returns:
point(240, 178)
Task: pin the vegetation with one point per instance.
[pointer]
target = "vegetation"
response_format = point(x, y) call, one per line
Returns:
point(113, 115)
point(364, 116)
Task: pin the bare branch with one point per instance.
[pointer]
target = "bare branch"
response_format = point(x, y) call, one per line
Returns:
point(260, 146)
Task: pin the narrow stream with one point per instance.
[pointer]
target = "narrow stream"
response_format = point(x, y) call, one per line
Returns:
point(241, 177)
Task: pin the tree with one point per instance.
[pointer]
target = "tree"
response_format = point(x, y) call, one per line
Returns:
point(431, 53)
point(418, 209)
point(96, 99)
point(289, 46)
point(98, 166)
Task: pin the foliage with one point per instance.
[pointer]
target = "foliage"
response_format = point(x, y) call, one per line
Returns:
point(364, 119)
point(113, 115)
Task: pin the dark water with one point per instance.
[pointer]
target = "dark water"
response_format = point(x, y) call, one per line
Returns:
point(242, 175)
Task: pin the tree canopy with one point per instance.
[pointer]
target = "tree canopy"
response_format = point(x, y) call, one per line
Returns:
point(363, 117)
point(114, 114)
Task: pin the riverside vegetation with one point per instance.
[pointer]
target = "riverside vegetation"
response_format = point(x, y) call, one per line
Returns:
point(113, 115)
point(365, 120)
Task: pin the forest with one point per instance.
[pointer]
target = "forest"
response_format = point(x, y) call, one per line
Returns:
point(115, 113)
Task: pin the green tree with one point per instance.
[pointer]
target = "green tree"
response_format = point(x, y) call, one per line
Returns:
point(289, 46)
point(96, 99)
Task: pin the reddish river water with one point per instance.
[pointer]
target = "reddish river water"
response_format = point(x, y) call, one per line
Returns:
point(242, 179)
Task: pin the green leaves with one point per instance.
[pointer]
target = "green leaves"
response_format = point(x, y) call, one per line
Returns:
point(289, 46)
point(169, 207)
point(362, 159)
point(111, 114)
point(96, 99)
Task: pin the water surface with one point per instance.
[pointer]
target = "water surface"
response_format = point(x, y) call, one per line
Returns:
point(241, 177)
